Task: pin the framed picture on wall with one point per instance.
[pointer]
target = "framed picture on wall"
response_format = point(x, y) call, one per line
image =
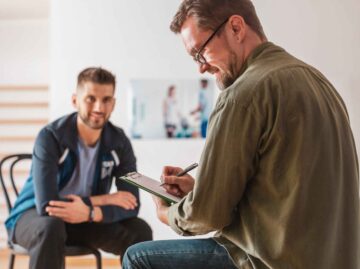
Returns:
point(170, 108)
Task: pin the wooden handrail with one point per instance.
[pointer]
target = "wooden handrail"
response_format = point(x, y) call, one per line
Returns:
point(18, 172)
point(23, 121)
point(25, 105)
point(24, 87)
point(18, 138)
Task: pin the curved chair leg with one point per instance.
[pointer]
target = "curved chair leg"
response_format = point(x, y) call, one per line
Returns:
point(11, 261)
point(97, 255)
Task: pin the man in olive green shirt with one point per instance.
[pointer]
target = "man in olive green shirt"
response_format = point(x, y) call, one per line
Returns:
point(278, 178)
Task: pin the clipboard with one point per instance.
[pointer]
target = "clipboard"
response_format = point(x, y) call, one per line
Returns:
point(149, 185)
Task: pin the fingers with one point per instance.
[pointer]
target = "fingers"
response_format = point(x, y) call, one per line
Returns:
point(58, 203)
point(126, 200)
point(161, 209)
point(159, 202)
point(132, 200)
point(170, 170)
point(155, 199)
point(171, 180)
point(124, 195)
point(56, 212)
point(172, 189)
point(177, 180)
point(129, 196)
point(128, 205)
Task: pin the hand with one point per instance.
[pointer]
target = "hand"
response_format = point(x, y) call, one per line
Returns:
point(178, 186)
point(123, 199)
point(162, 209)
point(75, 211)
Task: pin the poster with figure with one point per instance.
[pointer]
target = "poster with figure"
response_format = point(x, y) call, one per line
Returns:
point(170, 108)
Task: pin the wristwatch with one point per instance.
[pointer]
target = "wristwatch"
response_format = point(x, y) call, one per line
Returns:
point(91, 213)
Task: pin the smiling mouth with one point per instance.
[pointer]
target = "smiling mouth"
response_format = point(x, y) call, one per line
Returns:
point(217, 73)
point(97, 116)
point(213, 70)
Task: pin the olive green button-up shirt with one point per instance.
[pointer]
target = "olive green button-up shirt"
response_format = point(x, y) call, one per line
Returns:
point(278, 177)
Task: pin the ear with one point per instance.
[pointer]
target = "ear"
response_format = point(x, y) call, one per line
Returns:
point(113, 105)
point(238, 27)
point(74, 100)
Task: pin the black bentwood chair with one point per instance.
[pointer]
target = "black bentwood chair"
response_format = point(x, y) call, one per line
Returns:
point(7, 164)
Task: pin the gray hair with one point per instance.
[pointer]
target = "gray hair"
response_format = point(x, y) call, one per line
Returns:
point(211, 13)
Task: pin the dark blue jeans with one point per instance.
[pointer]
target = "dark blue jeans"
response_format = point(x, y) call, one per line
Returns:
point(177, 254)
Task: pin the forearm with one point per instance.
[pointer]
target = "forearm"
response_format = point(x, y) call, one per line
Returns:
point(119, 198)
point(101, 200)
point(115, 206)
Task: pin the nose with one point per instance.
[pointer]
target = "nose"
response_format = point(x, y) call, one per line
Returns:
point(203, 67)
point(98, 106)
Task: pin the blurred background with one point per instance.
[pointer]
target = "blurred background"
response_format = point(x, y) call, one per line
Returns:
point(44, 44)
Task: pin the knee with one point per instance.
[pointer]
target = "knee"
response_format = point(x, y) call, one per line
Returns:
point(127, 259)
point(142, 230)
point(52, 229)
point(134, 258)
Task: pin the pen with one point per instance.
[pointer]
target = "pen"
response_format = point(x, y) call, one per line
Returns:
point(183, 172)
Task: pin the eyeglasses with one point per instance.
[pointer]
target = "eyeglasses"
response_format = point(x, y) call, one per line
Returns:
point(198, 57)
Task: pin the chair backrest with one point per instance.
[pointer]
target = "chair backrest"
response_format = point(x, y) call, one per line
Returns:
point(7, 175)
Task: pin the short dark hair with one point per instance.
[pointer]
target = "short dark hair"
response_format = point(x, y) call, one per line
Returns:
point(209, 14)
point(96, 75)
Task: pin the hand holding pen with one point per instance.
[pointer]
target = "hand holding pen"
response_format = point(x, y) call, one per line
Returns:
point(183, 172)
point(176, 180)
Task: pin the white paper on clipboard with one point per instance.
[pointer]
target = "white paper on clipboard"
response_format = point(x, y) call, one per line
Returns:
point(150, 185)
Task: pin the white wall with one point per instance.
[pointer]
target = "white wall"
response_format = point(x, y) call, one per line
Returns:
point(325, 34)
point(24, 51)
point(132, 38)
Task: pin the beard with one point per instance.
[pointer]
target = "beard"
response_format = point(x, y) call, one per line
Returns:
point(228, 77)
point(93, 124)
